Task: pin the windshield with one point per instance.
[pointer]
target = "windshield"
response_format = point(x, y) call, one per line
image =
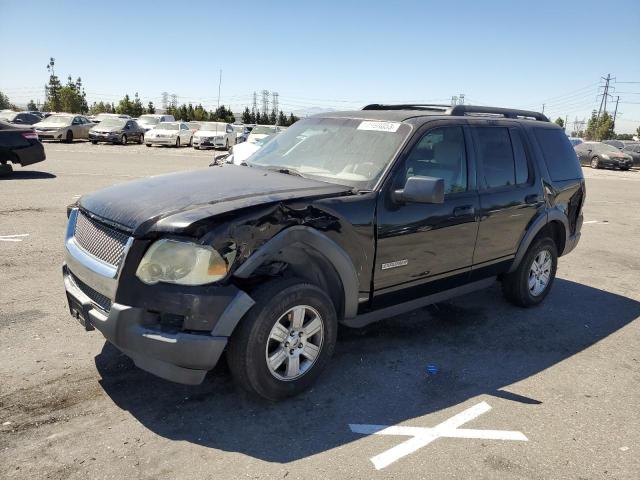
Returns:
point(57, 120)
point(608, 148)
point(213, 126)
point(167, 126)
point(112, 122)
point(148, 119)
point(347, 151)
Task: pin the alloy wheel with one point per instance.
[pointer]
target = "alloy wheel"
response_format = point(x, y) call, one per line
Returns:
point(540, 273)
point(294, 343)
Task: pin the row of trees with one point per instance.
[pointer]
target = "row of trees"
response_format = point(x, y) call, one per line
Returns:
point(249, 116)
point(599, 129)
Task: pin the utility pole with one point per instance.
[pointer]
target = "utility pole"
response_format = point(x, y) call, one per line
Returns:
point(603, 102)
point(566, 122)
point(165, 100)
point(454, 100)
point(615, 112)
point(461, 99)
point(543, 105)
point(275, 104)
point(254, 109)
point(219, 85)
point(265, 102)
point(174, 100)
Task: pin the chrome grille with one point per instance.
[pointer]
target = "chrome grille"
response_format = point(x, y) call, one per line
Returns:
point(99, 240)
point(96, 298)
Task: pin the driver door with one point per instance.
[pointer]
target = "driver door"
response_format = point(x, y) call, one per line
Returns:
point(423, 248)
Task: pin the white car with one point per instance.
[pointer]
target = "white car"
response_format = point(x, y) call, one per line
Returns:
point(214, 135)
point(65, 127)
point(261, 131)
point(173, 134)
point(244, 150)
point(149, 121)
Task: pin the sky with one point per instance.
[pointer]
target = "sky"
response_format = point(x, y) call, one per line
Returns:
point(332, 54)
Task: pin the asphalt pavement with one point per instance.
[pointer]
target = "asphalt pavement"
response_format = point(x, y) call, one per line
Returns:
point(472, 388)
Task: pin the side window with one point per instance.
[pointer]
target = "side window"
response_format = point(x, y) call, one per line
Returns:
point(183, 127)
point(496, 156)
point(76, 121)
point(558, 154)
point(440, 153)
point(520, 156)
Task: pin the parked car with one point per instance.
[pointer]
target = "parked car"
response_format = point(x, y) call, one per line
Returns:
point(103, 116)
point(633, 150)
point(619, 144)
point(150, 121)
point(169, 133)
point(350, 217)
point(116, 130)
point(214, 135)
point(575, 141)
point(602, 155)
point(19, 118)
point(18, 145)
point(261, 131)
point(239, 153)
point(241, 131)
point(65, 127)
point(194, 126)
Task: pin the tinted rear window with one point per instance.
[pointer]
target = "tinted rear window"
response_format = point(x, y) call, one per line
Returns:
point(558, 153)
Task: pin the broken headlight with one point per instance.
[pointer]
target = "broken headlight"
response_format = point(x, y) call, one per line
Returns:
point(184, 263)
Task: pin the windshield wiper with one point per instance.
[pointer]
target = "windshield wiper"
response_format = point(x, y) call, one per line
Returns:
point(287, 170)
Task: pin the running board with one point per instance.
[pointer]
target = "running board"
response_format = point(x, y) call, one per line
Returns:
point(388, 312)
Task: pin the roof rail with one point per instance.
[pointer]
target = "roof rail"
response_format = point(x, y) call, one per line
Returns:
point(462, 110)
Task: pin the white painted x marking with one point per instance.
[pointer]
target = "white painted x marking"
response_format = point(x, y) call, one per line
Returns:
point(422, 436)
point(13, 238)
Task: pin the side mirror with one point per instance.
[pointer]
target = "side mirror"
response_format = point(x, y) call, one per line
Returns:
point(419, 189)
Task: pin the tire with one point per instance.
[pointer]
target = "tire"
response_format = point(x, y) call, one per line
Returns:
point(123, 139)
point(226, 144)
point(5, 169)
point(190, 142)
point(140, 139)
point(69, 137)
point(177, 142)
point(94, 142)
point(148, 144)
point(522, 287)
point(595, 163)
point(252, 342)
point(624, 169)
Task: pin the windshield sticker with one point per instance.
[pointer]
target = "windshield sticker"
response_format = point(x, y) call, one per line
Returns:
point(379, 126)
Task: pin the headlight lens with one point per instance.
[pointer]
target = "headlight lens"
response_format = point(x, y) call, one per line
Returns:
point(184, 263)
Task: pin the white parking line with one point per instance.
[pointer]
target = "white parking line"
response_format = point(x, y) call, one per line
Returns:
point(424, 436)
point(591, 222)
point(13, 238)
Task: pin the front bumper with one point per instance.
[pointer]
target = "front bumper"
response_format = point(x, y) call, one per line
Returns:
point(49, 135)
point(169, 336)
point(160, 140)
point(104, 137)
point(208, 142)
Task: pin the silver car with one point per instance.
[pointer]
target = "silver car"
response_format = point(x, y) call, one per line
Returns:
point(65, 127)
point(173, 134)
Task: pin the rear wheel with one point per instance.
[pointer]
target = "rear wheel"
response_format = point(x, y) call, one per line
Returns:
point(123, 139)
point(148, 144)
point(94, 142)
point(190, 142)
point(5, 169)
point(69, 137)
point(177, 142)
point(595, 162)
point(141, 139)
point(531, 282)
point(285, 341)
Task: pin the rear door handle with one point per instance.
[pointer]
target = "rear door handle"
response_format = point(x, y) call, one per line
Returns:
point(464, 210)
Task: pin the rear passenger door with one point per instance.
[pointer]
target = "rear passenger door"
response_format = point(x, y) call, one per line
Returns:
point(509, 195)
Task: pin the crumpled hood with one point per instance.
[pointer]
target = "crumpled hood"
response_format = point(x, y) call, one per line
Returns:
point(173, 202)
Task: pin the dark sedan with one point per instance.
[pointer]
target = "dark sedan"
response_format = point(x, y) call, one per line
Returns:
point(633, 149)
point(20, 118)
point(117, 130)
point(18, 145)
point(601, 155)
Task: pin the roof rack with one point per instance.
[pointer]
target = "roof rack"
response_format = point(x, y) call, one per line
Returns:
point(462, 110)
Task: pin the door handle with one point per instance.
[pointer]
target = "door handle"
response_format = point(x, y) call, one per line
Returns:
point(534, 198)
point(464, 210)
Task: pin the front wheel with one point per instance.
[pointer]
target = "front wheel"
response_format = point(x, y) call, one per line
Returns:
point(123, 139)
point(531, 282)
point(177, 142)
point(69, 137)
point(285, 341)
point(148, 144)
point(141, 139)
point(94, 142)
point(595, 162)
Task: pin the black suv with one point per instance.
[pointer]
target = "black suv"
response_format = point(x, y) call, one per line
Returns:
point(346, 217)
